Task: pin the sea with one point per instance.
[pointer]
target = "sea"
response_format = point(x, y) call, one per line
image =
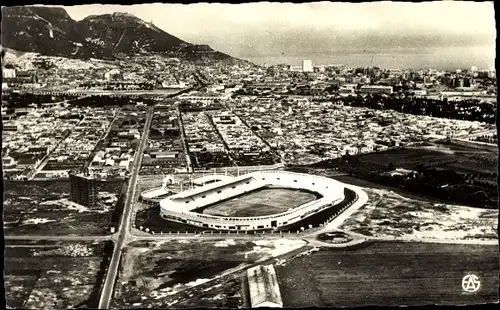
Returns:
point(437, 58)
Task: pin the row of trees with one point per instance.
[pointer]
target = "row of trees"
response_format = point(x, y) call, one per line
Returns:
point(487, 139)
point(471, 110)
point(23, 100)
point(444, 184)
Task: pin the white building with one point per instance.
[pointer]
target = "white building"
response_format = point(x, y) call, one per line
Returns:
point(307, 65)
point(370, 89)
point(9, 73)
point(264, 288)
point(420, 92)
point(108, 75)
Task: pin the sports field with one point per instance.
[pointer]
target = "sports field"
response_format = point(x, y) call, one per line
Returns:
point(263, 201)
point(390, 274)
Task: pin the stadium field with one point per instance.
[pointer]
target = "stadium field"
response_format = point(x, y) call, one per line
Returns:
point(263, 201)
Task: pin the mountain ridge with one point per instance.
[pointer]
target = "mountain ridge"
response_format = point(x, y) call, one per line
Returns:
point(51, 31)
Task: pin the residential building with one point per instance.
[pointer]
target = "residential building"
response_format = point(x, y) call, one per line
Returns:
point(83, 190)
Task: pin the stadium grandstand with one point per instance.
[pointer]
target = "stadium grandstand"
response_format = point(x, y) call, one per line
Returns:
point(181, 207)
point(157, 194)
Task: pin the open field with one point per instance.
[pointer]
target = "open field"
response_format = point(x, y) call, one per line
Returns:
point(50, 188)
point(164, 273)
point(263, 201)
point(224, 293)
point(43, 208)
point(58, 276)
point(390, 214)
point(462, 159)
point(34, 216)
point(389, 273)
point(150, 218)
point(36, 188)
point(369, 184)
point(24, 217)
point(405, 158)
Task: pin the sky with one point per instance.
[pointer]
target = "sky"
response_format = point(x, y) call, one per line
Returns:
point(269, 32)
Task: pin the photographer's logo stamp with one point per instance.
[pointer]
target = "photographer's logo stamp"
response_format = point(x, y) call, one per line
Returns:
point(471, 283)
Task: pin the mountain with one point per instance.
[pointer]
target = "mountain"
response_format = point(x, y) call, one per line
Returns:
point(51, 31)
point(48, 31)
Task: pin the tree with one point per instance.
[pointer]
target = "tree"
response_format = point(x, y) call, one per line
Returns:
point(390, 166)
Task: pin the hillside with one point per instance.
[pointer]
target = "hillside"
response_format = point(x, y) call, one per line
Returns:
point(51, 31)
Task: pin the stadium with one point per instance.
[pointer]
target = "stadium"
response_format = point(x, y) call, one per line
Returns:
point(187, 206)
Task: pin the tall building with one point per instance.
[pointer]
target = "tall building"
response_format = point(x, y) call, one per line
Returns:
point(307, 65)
point(83, 190)
point(458, 82)
point(469, 82)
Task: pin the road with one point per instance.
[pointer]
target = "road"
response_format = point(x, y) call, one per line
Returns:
point(181, 124)
point(46, 158)
point(275, 152)
point(184, 142)
point(59, 238)
point(124, 229)
point(219, 134)
point(103, 136)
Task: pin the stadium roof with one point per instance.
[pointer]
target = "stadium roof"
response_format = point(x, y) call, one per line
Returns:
point(208, 187)
point(209, 178)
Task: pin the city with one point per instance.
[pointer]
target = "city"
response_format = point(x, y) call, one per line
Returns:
point(172, 175)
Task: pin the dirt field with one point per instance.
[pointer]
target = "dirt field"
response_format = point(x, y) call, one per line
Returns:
point(42, 208)
point(392, 214)
point(163, 274)
point(53, 276)
point(265, 201)
point(390, 274)
point(149, 217)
